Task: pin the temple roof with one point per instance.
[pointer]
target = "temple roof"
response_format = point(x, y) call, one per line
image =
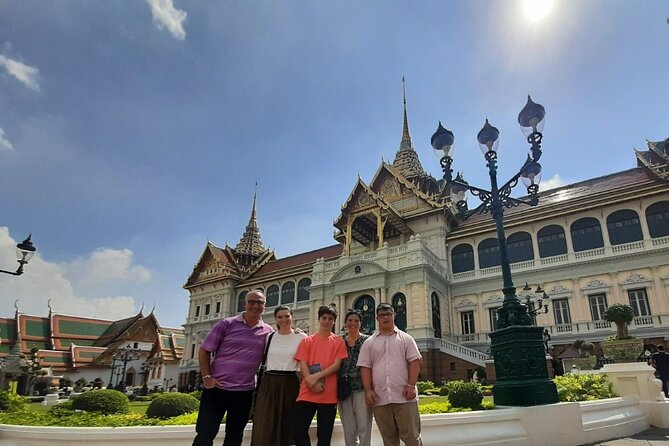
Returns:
point(406, 158)
point(656, 158)
point(305, 258)
point(588, 194)
point(251, 243)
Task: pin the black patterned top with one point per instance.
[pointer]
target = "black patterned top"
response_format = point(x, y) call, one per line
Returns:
point(350, 367)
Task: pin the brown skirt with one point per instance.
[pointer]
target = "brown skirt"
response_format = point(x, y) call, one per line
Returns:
point(273, 416)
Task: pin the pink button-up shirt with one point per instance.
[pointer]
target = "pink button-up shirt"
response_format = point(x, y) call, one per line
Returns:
point(389, 356)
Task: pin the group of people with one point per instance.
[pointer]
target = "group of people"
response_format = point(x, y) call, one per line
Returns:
point(305, 376)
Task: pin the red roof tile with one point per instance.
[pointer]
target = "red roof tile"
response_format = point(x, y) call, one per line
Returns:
point(301, 259)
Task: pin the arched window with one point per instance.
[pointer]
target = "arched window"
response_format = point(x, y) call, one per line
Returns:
point(303, 289)
point(273, 296)
point(520, 248)
point(462, 258)
point(657, 217)
point(624, 227)
point(489, 253)
point(436, 316)
point(586, 233)
point(241, 301)
point(288, 293)
point(400, 306)
point(366, 305)
point(551, 241)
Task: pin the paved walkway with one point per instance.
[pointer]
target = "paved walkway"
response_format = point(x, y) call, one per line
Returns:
point(652, 437)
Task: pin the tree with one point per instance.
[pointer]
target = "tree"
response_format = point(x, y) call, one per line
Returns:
point(32, 369)
point(621, 315)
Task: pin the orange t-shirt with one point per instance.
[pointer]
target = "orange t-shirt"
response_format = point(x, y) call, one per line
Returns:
point(316, 349)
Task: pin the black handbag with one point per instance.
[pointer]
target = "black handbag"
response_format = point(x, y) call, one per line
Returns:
point(343, 387)
point(260, 373)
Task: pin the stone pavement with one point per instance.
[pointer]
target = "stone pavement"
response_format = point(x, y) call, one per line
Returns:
point(652, 437)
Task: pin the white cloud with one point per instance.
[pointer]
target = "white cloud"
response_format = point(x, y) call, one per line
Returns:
point(26, 74)
point(44, 280)
point(165, 15)
point(109, 265)
point(552, 183)
point(5, 144)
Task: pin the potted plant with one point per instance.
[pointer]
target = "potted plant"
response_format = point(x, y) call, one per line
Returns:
point(622, 347)
point(586, 360)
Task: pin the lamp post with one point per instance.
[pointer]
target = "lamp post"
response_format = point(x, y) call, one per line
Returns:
point(124, 356)
point(516, 344)
point(24, 252)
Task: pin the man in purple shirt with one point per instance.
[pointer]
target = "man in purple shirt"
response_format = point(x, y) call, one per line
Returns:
point(389, 364)
point(237, 345)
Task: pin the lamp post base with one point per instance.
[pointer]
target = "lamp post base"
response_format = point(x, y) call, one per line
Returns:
point(520, 366)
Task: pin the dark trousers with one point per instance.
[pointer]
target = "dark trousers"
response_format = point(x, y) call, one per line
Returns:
point(664, 377)
point(304, 413)
point(213, 406)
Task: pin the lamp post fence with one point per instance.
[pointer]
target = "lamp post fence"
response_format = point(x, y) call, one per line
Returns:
point(517, 345)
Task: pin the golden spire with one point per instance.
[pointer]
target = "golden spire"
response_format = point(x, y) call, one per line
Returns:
point(406, 158)
point(251, 243)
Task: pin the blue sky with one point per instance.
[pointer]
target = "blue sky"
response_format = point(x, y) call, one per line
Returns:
point(132, 132)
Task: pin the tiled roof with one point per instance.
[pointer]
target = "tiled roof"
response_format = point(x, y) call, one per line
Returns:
point(569, 193)
point(304, 258)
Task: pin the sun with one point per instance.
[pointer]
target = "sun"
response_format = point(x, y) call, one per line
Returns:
point(536, 10)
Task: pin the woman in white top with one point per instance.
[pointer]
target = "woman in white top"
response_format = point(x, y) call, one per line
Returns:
point(275, 403)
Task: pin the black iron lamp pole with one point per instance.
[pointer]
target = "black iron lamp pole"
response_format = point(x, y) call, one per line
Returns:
point(24, 252)
point(517, 346)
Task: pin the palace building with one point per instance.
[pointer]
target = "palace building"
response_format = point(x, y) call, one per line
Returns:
point(399, 240)
point(76, 347)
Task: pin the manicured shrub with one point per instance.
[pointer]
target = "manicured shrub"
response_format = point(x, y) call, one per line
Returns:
point(443, 391)
point(487, 404)
point(428, 408)
point(465, 394)
point(168, 405)
point(197, 394)
point(585, 387)
point(104, 401)
point(423, 386)
point(10, 402)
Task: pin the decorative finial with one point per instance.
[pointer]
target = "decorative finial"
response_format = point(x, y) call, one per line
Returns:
point(48, 304)
point(16, 306)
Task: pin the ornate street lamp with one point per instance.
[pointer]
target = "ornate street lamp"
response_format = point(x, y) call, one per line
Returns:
point(24, 252)
point(517, 345)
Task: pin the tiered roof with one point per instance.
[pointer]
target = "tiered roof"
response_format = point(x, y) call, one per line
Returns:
point(407, 162)
point(251, 243)
point(68, 342)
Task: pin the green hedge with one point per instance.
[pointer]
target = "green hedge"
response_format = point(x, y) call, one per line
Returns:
point(104, 401)
point(10, 402)
point(585, 387)
point(169, 405)
point(465, 394)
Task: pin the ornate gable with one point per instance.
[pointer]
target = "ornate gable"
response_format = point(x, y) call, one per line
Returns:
point(656, 158)
point(389, 183)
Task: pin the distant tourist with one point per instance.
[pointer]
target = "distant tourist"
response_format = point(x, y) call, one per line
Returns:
point(356, 415)
point(390, 363)
point(275, 403)
point(228, 380)
point(661, 363)
point(320, 356)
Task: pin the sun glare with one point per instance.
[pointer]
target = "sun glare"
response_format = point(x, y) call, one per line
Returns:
point(536, 10)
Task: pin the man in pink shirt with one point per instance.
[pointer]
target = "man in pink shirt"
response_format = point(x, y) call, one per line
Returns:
point(389, 364)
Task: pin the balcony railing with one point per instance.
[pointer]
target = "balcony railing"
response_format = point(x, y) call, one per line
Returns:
point(595, 328)
point(573, 257)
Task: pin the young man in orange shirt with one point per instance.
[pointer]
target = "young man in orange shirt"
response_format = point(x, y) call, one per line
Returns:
point(319, 356)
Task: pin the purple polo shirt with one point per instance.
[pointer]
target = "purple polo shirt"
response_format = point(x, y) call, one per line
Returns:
point(238, 352)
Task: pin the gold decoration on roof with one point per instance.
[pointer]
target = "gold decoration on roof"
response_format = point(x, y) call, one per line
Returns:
point(406, 158)
point(251, 243)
